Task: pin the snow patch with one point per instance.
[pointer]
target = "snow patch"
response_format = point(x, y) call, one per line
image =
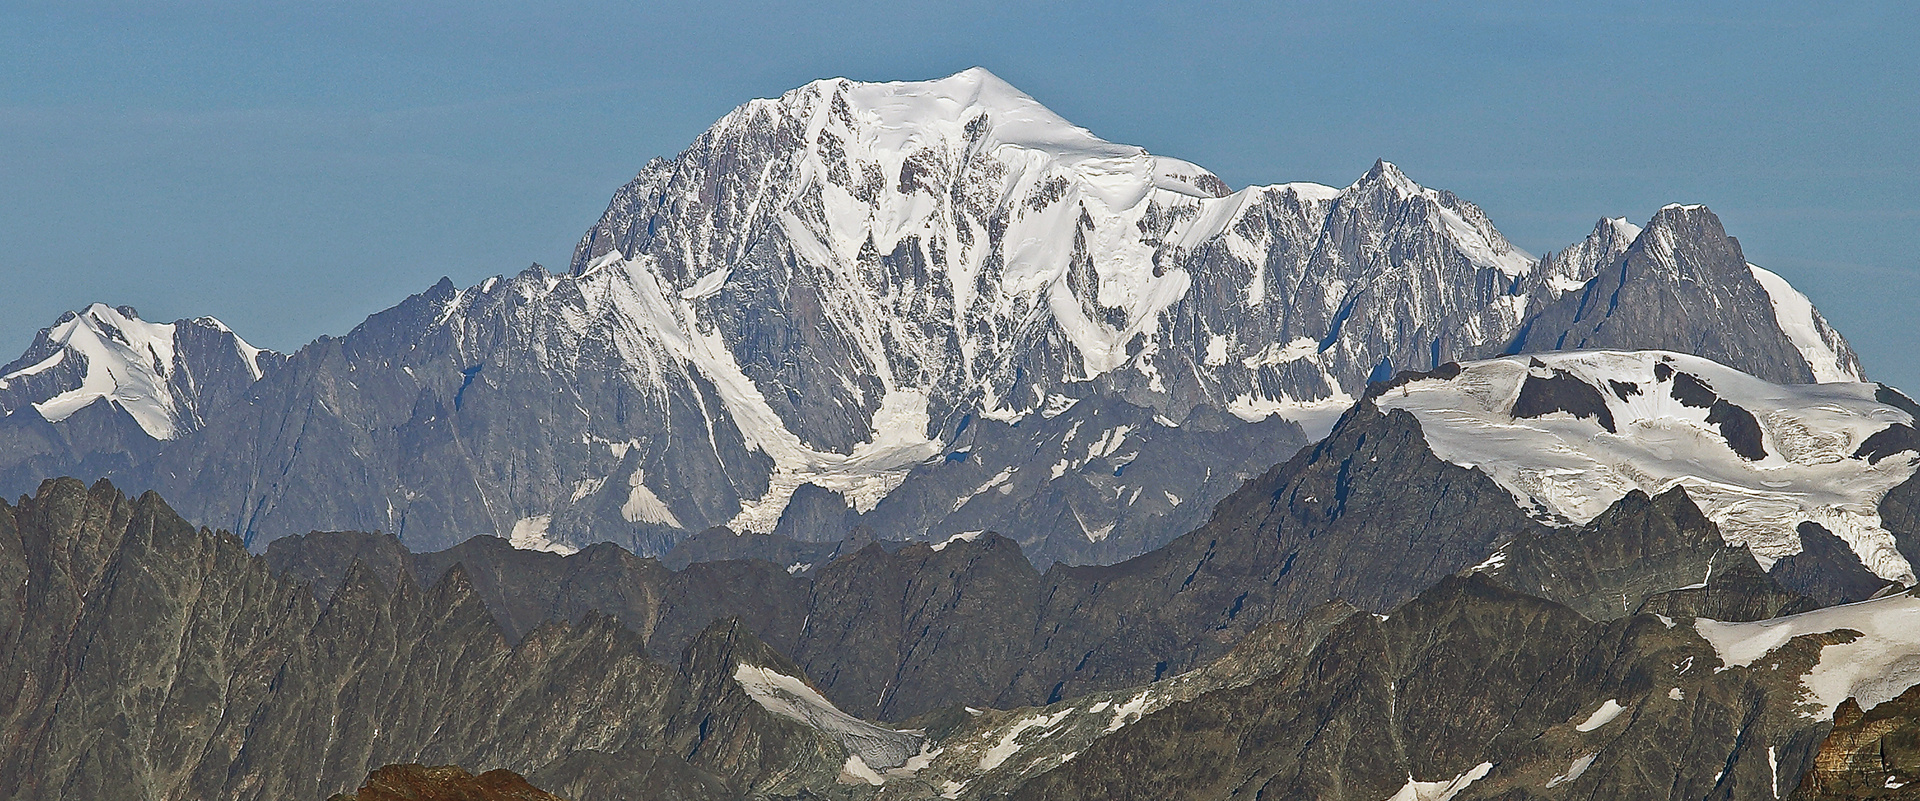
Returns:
point(1316, 418)
point(877, 749)
point(530, 534)
point(1498, 558)
point(1008, 744)
point(642, 506)
point(1129, 712)
point(964, 536)
point(1216, 351)
point(37, 367)
point(1441, 790)
point(999, 481)
point(708, 285)
point(1608, 710)
point(1574, 771)
point(585, 487)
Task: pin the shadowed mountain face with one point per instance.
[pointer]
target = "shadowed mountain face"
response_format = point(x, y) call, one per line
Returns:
point(1684, 272)
point(154, 660)
point(1369, 517)
point(1472, 691)
point(146, 659)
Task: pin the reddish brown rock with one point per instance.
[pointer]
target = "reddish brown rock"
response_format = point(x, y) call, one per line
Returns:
point(444, 783)
point(1870, 754)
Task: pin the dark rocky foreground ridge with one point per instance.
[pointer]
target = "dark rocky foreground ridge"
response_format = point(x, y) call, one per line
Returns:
point(163, 660)
point(1369, 517)
point(149, 659)
point(145, 659)
point(1474, 688)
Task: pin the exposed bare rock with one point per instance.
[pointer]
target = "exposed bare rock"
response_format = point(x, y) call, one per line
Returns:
point(444, 783)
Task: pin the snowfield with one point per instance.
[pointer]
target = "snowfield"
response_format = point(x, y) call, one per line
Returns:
point(1572, 467)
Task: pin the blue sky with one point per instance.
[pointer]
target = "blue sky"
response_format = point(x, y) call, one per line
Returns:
point(294, 167)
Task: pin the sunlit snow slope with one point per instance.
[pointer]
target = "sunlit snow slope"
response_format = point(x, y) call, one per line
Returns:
point(164, 375)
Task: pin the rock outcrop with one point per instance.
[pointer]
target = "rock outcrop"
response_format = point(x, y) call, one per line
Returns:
point(444, 783)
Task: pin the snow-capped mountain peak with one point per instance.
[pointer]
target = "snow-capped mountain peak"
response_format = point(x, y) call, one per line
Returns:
point(127, 360)
point(1462, 223)
point(160, 374)
point(855, 288)
point(857, 265)
point(1386, 174)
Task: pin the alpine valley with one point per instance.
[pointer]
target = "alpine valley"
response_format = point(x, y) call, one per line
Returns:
point(905, 441)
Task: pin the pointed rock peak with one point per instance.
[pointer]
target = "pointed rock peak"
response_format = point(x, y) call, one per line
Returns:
point(455, 588)
point(120, 323)
point(1616, 228)
point(1676, 215)
point(1385, 174)
point(101, 312)
point(362, 585)
point(1690, 227)
point(726, 643)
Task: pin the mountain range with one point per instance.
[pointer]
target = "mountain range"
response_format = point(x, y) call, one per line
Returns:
point(905, 441)
point(913, 308)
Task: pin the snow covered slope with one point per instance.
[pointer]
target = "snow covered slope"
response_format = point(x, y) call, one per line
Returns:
point(1877, 662)
point(1570, 433)
point(1829, 356)
point(166, 376)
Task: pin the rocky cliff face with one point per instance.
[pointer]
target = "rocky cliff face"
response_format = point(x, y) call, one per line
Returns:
point(1560, 707)
point(1869, 754)
point(147, 659)
point(1370, 516)
point(151, 659)
point(1684, 271)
